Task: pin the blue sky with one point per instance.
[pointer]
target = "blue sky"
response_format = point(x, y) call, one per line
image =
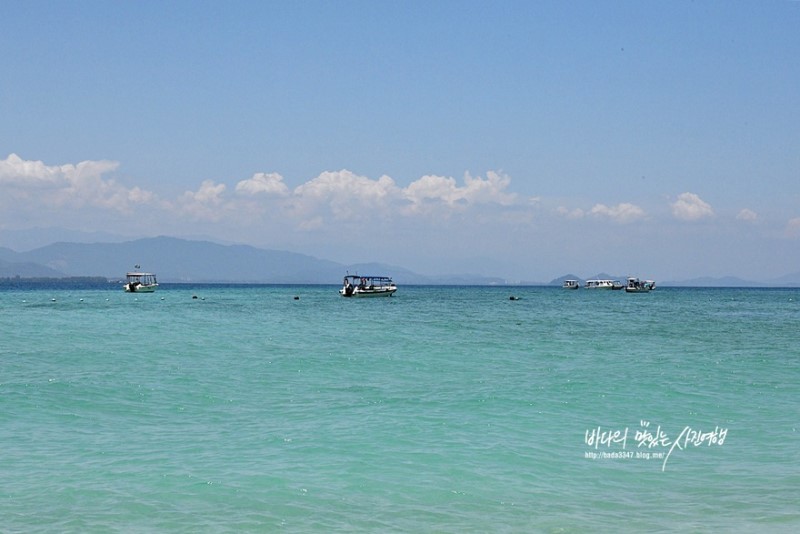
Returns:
point(520, 139)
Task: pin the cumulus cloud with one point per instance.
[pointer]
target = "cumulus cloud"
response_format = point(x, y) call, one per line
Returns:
point(431, 191)
point(206, 203)
point(338, 196)
point(621, 213)
point(747, 215)
point(76, 186)
point(690, 207)
point(263, 183)
point(16, 172)
point(489, 190)
point(345, 194)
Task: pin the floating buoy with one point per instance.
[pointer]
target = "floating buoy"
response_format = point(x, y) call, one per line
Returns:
point(296, 297)
point(512, 297)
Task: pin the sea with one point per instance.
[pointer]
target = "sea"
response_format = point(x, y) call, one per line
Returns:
point(232, 408)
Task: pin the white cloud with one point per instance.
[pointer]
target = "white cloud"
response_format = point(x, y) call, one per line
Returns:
point(489, 190)
point(30, 186)
point(431, 191)
point(432, 188)
point(437, 218)
point(621, 213)
point(347, 185)
point(16, 172)
point(747, 215)
point(266, 183)
point(347, 196)
point(206, 203)
point(690, 207)
point(576, 213)
point(74, 186)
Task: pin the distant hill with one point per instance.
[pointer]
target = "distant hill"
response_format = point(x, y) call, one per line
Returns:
point(190, 261)
point(180, 260)
point(11, 269)
point(792, 280)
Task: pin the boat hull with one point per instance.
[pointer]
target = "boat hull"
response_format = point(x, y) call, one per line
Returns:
point(129, 288)
point(368, 293)
point(639, 286)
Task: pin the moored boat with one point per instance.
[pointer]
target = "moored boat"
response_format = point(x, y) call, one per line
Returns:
point(367, 286)
point(571, 284)
point(140, 282)
point(639, 286)
point(599, 284)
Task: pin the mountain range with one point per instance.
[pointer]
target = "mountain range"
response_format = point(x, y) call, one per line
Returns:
point(189, 261)
point(197, 261)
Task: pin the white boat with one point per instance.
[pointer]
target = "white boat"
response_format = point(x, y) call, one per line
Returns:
point(140, 282)
point(599, 284)
point(639, 286)
point(367, 286)
point(571, 284)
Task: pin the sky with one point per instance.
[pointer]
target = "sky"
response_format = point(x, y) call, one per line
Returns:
point(525, 140)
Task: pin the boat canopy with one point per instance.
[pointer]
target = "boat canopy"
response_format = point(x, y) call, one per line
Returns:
point(359, 277)
point(145, 278)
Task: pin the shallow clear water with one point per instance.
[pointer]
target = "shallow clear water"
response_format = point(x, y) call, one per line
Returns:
point(440, 409)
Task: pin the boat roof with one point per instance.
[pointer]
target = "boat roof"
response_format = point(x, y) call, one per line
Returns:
point(359, 276)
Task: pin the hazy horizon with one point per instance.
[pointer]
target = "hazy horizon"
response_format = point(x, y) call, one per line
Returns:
point(791, 279)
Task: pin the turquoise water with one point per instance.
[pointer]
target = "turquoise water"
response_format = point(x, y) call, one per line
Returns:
point(441, 409)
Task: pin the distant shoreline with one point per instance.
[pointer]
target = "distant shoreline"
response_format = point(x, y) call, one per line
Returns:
point(101, 282)
point(50, 279)
point(43, 281)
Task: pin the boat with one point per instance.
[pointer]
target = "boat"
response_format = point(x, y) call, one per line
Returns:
point(571, 284)
point(639, 286)
point(367, 286)
point(140, 282)
point(599, 284)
